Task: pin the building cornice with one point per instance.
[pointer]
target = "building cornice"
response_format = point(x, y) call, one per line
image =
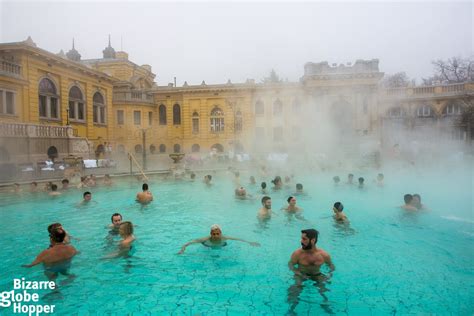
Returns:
point(50, 57)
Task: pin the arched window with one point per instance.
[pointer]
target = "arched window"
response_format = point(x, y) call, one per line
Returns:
point(195, 121)
point(453, 109)
point(296, 106)
point(424, 111)
point(238, 122)
point(176, 114)
point(98, 105)
point(48, 100)
point(195, 148)
point(138, 149)
point(277, 108)
point(152, 149)
point(217, 120)
point(162, 148)
point(259, 108)
point(76, 105)
point(176, 148)
point(162, 114)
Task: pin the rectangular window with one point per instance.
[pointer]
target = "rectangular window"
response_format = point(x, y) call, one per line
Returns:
point(102, 114)
point(42, 106)
point(278, 134)
point(95, 114)
point(195, 125)
point(120, 117)
point(2, 110)
point(54, 108)
point(72, 110)
point(80, 111)
point(137, 117)
point(150, 118)
point(10, 103)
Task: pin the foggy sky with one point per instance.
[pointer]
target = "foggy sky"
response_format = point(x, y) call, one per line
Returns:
point(216, 41)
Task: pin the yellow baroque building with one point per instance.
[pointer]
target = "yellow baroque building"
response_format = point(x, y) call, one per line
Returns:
point(55, 105)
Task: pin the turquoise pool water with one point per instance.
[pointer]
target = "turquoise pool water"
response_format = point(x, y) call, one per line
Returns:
point(389, 262)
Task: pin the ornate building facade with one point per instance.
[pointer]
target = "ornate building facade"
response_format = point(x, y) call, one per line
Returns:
point(58, 104)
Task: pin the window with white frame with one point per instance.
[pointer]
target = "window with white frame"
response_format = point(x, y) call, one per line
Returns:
point(48, 100)
point(195, 121)
point(98, 106)
point(120, 117)
point(259, 108)
point(137, 117)
point(453, 109)
point(424, 110)
point(217, 120)
point(7, 102)
point(76, 105)
point(277, 108)
point(238, 122)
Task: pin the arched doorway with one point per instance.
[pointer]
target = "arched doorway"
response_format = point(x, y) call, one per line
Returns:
point(52, 153)
point(138, 149)
point(218, 147)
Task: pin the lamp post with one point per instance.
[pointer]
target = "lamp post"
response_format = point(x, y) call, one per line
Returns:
point(144, 148)
point(143, 134)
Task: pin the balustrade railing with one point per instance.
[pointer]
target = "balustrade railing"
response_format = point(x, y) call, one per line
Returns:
point(451, 89)
point(10, 68)
point(30, 130)
point(133, 96)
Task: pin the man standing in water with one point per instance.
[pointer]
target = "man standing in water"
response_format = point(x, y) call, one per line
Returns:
point(308, 260)
point(265, 211)
point(57, 258)
point(145, 196)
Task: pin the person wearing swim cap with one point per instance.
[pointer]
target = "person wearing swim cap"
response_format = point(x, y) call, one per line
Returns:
point(339, 215)
point(215, 240)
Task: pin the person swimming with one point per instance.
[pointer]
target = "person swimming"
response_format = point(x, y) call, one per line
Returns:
point(277, 183)
point(263, 187)
point(215, 240)
point(336, 180)
point(338, 212)
point(408, 206)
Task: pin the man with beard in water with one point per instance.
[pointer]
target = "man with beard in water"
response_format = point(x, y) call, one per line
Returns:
point(309, 260)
